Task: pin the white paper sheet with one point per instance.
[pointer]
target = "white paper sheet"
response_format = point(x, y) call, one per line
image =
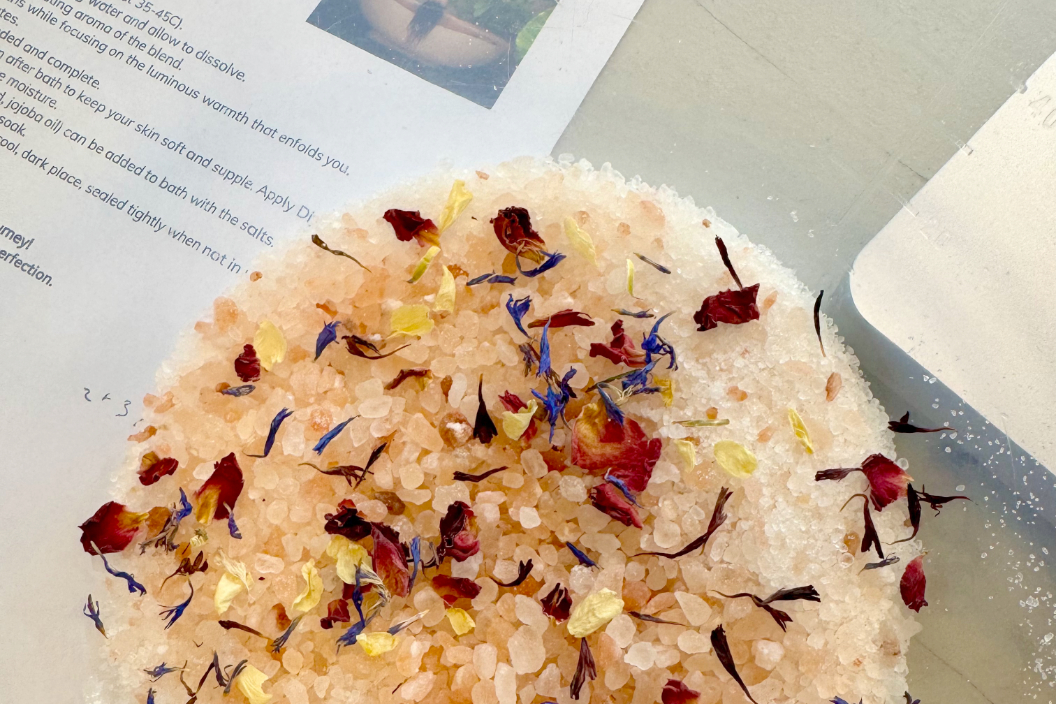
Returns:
point(148, 152)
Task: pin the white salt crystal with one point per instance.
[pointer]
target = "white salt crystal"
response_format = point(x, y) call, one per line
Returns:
point(572, 488)
point(666, 656)
point(640, 655)
point(296, 693)
point(277, 511)
point(459, 384)
point(697, 610)
point(266, 564)
point(411, 476)
point(591, 519)
point(468, 568)
point(415, 496)
point(512, 480)
point(581, 580)
point(300, 514)
point(293, 442)
point(264, 477)
point(666, 533)
point(622, 630)
point(506, 683)
point(530, 613)
point(484, 658)
point(203, 471)
point(767, 653)
point(416, 688)
point(693, 642)
point(549, 681)
point(527, 653)
point(533, 463)
point(371, 388)
point(526, 695)
point(444, 496)
point(529, 517)
point(488, 513)
point(377, 407)
point(320, 686)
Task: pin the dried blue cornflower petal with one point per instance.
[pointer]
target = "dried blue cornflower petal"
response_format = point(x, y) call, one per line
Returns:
point(276, 422)
point(334, 432)
point(280, 642)
point(326, 336)
point(160, 671)
point(637, 381)
point(883, 563)
point(633, 314)
point(653, 344)
point(480, 279)
point(150, 696)
point(243, 390)
point(232, 527)
point(355, 631)
point(544, 352)
point(554, 403)
point(659, 267)
point(133, 585)
point(552, 260)
point(581, 556)
point(173, 613)
point(614, 412)
point(502, 279)
point(185, 507)
point(622, 487)
point(530, 357)
point(517, 310)
point(416, 558)
point(91, 610)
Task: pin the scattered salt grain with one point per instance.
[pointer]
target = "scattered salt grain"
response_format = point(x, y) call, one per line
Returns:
point(621, 629)
point(640, 655)
point(697, 610)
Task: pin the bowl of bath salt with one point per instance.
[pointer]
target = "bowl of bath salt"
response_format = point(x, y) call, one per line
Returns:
point(525, 434)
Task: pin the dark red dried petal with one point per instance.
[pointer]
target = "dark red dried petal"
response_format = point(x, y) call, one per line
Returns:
point(733, 306)
point(247, 364)
point(611, 501)
point(676, 692)
point(621, 350)
point(151, 469)
point(513, 227)
point(887, 481)
point(411, 225)
point(512, 402)
point(451, 589)
point(224, 487)
point(600, 446)
point(913, 584)
point(112, 528)
point(347, 522)
point(564, 319)
point(336, 612)
point(390, 559)
point(557, 604)
point(463, 546)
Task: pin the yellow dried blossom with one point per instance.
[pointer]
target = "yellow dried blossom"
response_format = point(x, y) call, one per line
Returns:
point(461, 622)
point(250, 682)
point(375, 644)
point(735, 458)
point(580, 241)
point(313, 588)
point(445, 296)
point(514, 424)
point(457, 201)
point(594, 612)
point(423, 264)
point(411, 320)
point(688, 452)
point(348, 556)
point(800, 430)
point(270, 345)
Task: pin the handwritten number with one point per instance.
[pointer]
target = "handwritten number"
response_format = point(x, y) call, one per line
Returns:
point(86, 392)
point(122, 415)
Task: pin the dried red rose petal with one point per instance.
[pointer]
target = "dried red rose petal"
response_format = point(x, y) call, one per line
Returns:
point(112, 528)
point(611, 501)
point(887, 481)
point(564, 319)
point(247, 364)
point(733, 306)
point(220, 491)
point(676, 692)
point(451, 589)
point(452, 524)
point(390, 559)
point(411, 225)
point(621, 350)
point(463, 546)
point(513, 227)
point(152, 469)
point(913, 584)
point(336, 612)
point(557, 604)
point(347, 522)
point(602, 446)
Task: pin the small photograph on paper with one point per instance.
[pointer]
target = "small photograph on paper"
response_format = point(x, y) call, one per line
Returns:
point(469, 47)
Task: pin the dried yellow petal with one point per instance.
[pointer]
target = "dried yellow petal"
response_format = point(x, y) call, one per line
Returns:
point(580, 241)
point(514, 424)
point(313, 588)
point(688, 452)
point(445, 296)
point(199, 538)
point(594, 612)
point(207, 506)
point(269, 344)
point(236, 568)
point(250, 682)
point(461, 622)
point(800, 430)
point(457, 201)
point(667, 390)
point(348, 556)
point(227, 589)
point(375, 644)
point(411, 320)
point(630, 277)
point(423, 264)
point(735, 458)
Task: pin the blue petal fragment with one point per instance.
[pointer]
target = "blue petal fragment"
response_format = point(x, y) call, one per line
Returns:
point(160, 671)
point(150, 696)
point(243, 390)
point(232, 527)
point(633, 314)
point(280, 642)
point(653, 344)
point(552, 260)
point(581, 556)
point(544, 352)
point(133, 585)
point(173, 613)
point(91, 610)
point(327, 335)
point(517, 310)
point(622, 487)
point(502, 279)
point(416, 558)
point(611, 408)
point(185, 507)
point(275, 423)
point(480, 279)
point(325, 440)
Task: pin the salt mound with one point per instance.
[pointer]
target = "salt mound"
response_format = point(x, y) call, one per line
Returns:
point(783, 530)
